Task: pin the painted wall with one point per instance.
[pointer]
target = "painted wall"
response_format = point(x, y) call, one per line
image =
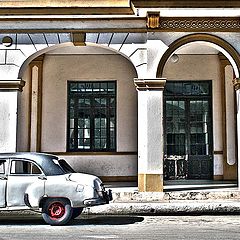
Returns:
point(203, 67)
point(8, 120)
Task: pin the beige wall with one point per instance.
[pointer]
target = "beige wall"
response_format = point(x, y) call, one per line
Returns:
point(58, 68)
point(203, 67)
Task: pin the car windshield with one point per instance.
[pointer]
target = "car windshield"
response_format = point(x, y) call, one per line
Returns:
point(65, 166)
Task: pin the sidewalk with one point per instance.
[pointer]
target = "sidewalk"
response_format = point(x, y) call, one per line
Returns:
point(203, 199)
point(176, 199)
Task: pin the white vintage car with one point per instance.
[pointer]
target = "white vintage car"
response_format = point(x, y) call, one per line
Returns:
point(42, 182)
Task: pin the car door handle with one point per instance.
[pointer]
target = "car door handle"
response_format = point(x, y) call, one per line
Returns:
point(42, 177)
point(3, 178)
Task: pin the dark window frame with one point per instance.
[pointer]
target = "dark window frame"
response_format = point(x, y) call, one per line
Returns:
point(80, 95)
point(184, 97)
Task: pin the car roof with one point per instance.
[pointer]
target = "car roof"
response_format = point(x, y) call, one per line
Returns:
point(45, 161)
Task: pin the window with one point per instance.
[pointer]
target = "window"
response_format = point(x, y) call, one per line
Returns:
point(24, 167)
point(188, 120)
point(91, 116)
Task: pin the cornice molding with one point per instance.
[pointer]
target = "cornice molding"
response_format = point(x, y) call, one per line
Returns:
point(67, 11)
point(186, 4)
point(71, 7)
point(156, 84)
point(153, 22)
point(12, 85)
point(199, 24)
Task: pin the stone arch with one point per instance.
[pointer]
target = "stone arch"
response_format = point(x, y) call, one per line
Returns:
point(228, 50)
point(68, 44)
point(39, 53)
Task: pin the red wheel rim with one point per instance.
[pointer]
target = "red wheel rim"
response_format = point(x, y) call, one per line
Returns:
point(56, 210)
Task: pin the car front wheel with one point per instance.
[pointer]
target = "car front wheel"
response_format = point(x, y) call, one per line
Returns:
point(57, 211)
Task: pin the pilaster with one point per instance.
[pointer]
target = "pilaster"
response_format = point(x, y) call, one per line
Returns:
point(228, 118)
point(35, 106)
point(236, 83)
point(150, 134)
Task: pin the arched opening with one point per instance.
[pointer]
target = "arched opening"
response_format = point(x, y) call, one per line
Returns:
point(218, 43)
point(80, 102)
point(199, 108)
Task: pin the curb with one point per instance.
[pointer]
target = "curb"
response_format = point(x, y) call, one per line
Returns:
point(165, 208)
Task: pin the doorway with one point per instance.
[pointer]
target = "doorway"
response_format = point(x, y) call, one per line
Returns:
point(188, 147)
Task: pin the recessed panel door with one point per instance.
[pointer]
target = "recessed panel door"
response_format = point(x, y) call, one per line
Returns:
point(200, 140)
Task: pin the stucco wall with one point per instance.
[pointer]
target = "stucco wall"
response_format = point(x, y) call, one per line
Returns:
point(58, 69)
point(203, 67)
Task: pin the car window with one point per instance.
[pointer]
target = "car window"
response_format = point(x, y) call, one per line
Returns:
point(65, 166)
point(2, 167)
point(24, 167)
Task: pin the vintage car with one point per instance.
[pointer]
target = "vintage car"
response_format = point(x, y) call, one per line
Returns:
point(45, 183)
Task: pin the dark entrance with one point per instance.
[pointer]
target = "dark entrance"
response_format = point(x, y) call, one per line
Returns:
point(188, 130)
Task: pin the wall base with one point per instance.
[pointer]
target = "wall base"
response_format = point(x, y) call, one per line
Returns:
point(150, 182)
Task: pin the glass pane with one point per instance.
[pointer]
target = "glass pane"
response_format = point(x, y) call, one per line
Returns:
point(96, 87)
point(111, 87)
point(24, 167)
point(97, 143)
point(188, 88)
point(2, 169)
point(112, 143)
point(103, 122)
point(97, 102)
point(97, 133)
point(103, 102)
point(103, 143)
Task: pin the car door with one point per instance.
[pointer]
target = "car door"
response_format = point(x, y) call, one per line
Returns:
point(3, 182)
point(23, 174)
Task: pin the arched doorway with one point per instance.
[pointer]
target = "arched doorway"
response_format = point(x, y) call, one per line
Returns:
point(80, 102)
point(199, 108)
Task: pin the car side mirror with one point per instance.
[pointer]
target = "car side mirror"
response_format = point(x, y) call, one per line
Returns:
point(42, 177)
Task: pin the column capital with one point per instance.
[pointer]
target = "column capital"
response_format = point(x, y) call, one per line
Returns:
point(12, 85)
point(153, 84)
point(236, 83)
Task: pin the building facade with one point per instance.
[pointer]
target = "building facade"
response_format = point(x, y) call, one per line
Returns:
point(141, 91)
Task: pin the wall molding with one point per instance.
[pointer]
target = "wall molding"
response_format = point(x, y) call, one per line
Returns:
point(12, 85)
point(91, 153)
point(199, 24)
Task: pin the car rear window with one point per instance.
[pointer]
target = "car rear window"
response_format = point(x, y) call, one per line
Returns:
point(65, 166)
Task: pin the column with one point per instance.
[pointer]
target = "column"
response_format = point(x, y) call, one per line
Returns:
point(35, 106)
point(9, 91)
point(236, 83)
point(229, 122)
point(150, 134)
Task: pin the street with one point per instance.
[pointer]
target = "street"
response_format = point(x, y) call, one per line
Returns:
point(123, 227)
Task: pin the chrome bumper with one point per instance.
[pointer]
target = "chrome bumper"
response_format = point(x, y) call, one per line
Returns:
point(105, 199)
